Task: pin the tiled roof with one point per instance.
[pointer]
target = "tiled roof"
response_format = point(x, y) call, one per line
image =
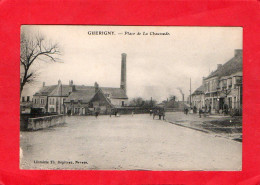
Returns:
point(62, 90)
point(45, 91)
point(80, 90)
point(84, 95)
point(232, 66)
point(114, 92)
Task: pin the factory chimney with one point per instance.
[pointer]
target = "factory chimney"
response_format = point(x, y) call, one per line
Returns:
point(123, 72)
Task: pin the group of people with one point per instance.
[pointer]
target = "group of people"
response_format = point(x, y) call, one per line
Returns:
point(194, 110)
point(205, 110)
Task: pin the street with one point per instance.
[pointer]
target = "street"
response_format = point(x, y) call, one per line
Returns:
point(127, 143)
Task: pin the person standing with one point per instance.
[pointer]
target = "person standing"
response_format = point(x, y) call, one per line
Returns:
point(97, 112)
point(200, 112)
point(115, 112)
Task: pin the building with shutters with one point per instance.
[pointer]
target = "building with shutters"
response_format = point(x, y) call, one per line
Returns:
point(222, 89)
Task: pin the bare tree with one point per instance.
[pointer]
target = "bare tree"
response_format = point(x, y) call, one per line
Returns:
point(34, 47)
point(137, 102)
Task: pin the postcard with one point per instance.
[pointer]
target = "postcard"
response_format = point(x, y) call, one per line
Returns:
point(159, 98)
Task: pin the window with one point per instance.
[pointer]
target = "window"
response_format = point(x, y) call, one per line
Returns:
point(28, 98)
point(238, 80)
point(35, 100)
point(76, 110)
point(224, 84)
point(123, 103)
point(42, 101)
point(23, 99)
point(229, 81)
point(51, 101)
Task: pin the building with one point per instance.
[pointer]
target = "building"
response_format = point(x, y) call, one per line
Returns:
point(51, 98)
point(86, 99)
point(25, 105)
point(81, 99)
point(222, 89)
point(198, 97)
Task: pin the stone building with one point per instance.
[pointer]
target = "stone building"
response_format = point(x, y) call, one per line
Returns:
point(81, 99)
point(222, 89)
point(51, 98)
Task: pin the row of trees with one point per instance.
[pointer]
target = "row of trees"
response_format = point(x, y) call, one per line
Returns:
point(140, 102)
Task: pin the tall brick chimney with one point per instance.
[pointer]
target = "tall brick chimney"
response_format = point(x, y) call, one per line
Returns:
point(123, 72)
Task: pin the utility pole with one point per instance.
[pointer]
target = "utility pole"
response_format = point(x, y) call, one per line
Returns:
point(190, 92)
point(60, 97)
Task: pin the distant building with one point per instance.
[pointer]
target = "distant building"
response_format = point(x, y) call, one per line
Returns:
point(80, 99)
point(198, 97)
point(25, 104)
point(222, 89)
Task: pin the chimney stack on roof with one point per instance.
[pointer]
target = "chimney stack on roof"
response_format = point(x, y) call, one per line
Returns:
point(123, 72)
point(238, 52)
point(219, 66)
point(43, 84)
point(71, 83)
point(96, 87)
point(59, 82)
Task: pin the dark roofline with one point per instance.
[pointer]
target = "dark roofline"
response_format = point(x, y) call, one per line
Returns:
point(217, 71)
point(99, 89)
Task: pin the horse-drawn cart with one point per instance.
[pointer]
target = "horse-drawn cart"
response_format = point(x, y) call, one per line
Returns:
point(160, 112)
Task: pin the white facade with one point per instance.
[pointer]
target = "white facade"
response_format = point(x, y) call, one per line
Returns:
point(119, 102)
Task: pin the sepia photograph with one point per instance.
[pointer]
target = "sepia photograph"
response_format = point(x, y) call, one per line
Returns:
point(157, 98)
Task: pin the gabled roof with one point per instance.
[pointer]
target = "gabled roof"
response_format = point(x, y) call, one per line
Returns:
point(81, 95)
point(61, 90)
point(232, 66)
point(199, 90)
point(80, 90)
point(103, 94)
point(45, 91)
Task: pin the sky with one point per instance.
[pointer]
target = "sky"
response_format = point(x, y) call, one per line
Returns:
point(157, 65)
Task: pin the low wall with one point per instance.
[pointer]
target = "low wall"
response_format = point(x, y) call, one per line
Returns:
point(45, 122)
point(24, 117)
